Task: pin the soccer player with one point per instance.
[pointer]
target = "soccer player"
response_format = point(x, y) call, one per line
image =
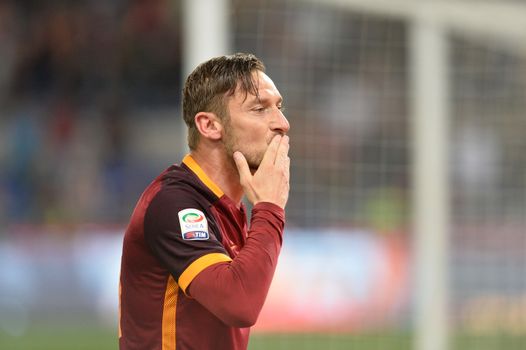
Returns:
point(193, 275)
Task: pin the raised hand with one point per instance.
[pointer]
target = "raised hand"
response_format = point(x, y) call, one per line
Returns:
point(270, 183)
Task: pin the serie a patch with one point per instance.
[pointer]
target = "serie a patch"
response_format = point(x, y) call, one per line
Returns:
point(193, 224)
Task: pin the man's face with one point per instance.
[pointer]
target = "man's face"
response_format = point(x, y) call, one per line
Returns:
point(254, 121)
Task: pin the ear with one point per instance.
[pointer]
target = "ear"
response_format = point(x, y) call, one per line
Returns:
point(209, 125)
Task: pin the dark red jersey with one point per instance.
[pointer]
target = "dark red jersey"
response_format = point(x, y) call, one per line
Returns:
point(192, 276)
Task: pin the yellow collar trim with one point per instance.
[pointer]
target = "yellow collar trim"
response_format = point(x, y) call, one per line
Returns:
point(192, 164)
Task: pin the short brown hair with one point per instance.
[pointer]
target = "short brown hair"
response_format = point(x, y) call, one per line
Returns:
point(207, 86)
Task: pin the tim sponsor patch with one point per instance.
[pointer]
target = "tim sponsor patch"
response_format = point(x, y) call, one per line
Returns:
point(193, 224)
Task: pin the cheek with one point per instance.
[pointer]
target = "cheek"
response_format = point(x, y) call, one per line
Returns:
point(253, 143)
point(253, 134)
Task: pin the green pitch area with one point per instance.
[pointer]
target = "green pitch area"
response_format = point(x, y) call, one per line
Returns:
point(89, 338)
point(380, 341)
point(329, 342)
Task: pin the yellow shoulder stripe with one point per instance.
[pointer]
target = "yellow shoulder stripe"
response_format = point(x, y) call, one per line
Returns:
point(199, 265)
point(192, 164)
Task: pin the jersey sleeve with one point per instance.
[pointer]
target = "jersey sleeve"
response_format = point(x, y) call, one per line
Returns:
point(235, 292)
point(182, 235)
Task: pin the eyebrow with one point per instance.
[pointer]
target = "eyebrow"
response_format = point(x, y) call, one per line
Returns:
point(264, 100)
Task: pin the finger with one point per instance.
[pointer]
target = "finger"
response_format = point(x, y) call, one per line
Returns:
point(242, 167)
point(283, 149)
point(286, 161)
point(270, 154)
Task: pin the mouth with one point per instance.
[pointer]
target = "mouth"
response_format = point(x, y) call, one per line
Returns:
point(272, 137)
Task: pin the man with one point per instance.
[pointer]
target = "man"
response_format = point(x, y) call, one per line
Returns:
point(192, 275)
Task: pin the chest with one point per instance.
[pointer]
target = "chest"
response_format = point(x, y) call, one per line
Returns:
point(231, 222)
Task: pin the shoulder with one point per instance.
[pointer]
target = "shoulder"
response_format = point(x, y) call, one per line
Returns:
point(177, 200)
point(179, 188)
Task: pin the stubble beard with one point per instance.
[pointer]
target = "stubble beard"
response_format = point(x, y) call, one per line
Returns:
point(232, 144)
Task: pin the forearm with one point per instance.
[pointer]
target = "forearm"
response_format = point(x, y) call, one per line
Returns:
point(235, 291)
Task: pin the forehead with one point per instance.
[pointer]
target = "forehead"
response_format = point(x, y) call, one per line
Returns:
point(265, 86)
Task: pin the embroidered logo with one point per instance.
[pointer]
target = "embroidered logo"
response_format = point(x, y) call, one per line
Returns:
point(193, 224)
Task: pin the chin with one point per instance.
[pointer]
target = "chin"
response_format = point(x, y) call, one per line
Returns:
point(254, 164)
point(253, 167)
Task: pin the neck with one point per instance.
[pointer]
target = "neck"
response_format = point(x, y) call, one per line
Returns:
point(221, 169)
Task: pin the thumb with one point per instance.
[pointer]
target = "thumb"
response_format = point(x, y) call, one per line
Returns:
point(242, 167)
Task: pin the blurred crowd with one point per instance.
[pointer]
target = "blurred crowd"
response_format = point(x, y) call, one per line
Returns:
point(80, 50)
point(78, 77)
point(90, 111)
point(72, 74)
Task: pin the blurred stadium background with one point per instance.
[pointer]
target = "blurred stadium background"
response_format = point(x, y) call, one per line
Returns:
point(407, 215)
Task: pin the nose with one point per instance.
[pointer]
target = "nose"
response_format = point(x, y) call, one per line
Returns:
point(280, 124)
